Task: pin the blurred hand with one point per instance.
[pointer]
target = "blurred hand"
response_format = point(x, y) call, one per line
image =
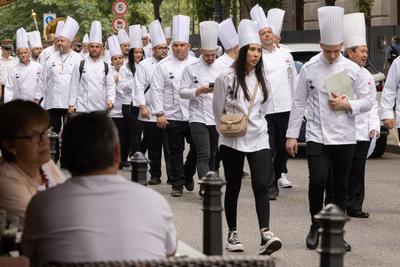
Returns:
point(144, 112)
point(389, 123)
point(292, 146)
point(162, 122)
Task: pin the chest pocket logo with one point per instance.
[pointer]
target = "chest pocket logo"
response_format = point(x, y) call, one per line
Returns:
point(311, 85)
point(195, 80)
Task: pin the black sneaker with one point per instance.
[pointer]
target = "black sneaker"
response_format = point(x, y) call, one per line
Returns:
point(177, 191)
point(269, 243)
point(189, 185)
point(273, 193)
point(233, 243)
point(312, 239)
point(154, 181)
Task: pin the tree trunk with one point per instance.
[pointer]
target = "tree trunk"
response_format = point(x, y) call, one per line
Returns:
point(156, 9)
point(245, 7)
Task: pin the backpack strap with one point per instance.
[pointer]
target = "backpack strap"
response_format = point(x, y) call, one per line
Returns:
point(106, 69)
point(81, 66)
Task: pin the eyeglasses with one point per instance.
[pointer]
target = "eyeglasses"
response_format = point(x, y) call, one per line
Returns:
point(37, 137)
point(7, 48)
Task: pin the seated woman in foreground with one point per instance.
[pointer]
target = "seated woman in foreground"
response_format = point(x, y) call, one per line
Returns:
point(26, 167)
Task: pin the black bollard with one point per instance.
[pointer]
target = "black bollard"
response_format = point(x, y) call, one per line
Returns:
point(53, 144)
point(212, 218)
point(331, 220)
point(139, 168)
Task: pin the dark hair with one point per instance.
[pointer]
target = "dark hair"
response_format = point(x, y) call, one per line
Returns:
point(88, 143)
point(346, 51)
point(131, 60)
point(241, 72)
point(16, 116)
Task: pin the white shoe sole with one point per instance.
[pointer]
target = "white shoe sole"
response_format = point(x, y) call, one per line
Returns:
point(285, 185)
point(271, 246)
point(234, 248)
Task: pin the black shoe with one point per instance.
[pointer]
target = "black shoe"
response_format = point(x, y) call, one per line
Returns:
point(189, 185)
point(357, 213)
point(177, 191)
point(312, 239)
point(273, 193)
point(347, 246)
point(125, 164)
point(154, 181)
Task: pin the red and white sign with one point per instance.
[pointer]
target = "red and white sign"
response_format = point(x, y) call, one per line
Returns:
point(119, 23)
point(120, 7)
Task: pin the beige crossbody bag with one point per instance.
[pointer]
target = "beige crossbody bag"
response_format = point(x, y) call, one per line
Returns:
point(235, 125)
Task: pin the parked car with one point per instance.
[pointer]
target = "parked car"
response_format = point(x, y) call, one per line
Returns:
point(304, 52)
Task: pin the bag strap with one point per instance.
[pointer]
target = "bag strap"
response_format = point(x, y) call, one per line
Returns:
point(253, 98)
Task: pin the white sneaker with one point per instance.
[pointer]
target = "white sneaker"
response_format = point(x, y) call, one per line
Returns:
point(269, 243)
point(233, 243)
point(284, 182)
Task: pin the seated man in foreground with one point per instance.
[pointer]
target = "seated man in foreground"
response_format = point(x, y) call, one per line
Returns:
point(96, 215)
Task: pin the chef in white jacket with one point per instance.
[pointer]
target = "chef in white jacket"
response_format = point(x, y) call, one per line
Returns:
point(155, 137)
point(57, 72)
point(47, 52)
point(367, 123)
point(26, 77)
point(94, 88)
point(124, 43)
point(197, 84)
point(171, 110)
point(85, 46)
point(147, 46)
point(229, 39)
point(331, 129)
point(281, 74)
point(35, 43)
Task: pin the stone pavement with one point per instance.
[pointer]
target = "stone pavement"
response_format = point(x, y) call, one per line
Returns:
point(375, 241)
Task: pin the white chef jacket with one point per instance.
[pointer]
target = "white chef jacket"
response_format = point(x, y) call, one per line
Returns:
point(23, 82)
point(281, 75)
point(323, 126)
point(148, 50)
point(195, 75)
point(143, 77)
point(368, 121)
point(46, 53)
point(165, 87)
point(57, 73)
point(116, 112)
point(127, 79)
point(92, 91)
point(5, 66)
point(391, 91)
point(225, 60)
point(256, 137)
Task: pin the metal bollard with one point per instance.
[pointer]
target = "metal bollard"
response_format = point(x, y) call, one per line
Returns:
point(139, 168)
point(212, 209)
point(53, 144)
point(331, 220)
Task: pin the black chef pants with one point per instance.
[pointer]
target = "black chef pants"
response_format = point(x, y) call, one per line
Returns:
point(260, 163)
point(205, 138)
point(177, 132)
point(320, 158)
point(122, 133)
point(277, 127)
point(156, 141)
point(357, 177)
point(135, 129)
point(57, 118)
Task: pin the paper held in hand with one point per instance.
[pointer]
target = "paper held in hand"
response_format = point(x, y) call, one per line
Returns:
point(340, 85)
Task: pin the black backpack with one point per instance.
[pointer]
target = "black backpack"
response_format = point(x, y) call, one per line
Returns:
point(393, 54)
point(82, 65)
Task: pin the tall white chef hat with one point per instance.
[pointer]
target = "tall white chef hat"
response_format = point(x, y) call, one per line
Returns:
point(34, 39)
point(22, 38)
point(156, 33)
point(275, 19)
point(330, 20)
point(180, 29)
point(248, 33)
point(59, 27)
point(69, 29)
point(354, 33)
point(257, 14)
point(123, 36)
point(209, 35)
point(145, 33)
point(114, 46)
point(227, 34)
point(135, 36)
point(167, 32)
point(85, 39)
point(95, 35)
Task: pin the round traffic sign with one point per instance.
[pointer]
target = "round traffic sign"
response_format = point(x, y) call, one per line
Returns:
point(48, 19)
point(119, 23)
point(120, 7)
